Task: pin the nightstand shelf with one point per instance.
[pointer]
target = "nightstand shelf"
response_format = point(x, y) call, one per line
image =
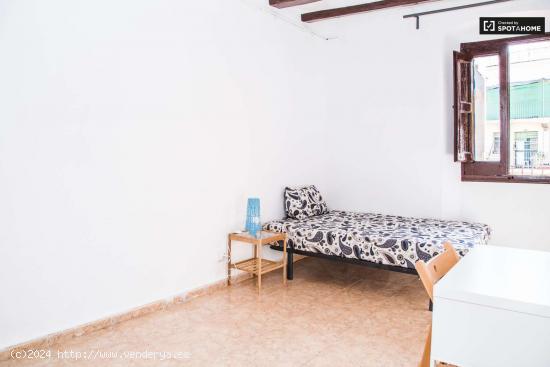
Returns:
point(251, 265)
point(256, 265)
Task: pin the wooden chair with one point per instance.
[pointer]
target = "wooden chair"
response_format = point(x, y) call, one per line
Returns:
point(430, 273)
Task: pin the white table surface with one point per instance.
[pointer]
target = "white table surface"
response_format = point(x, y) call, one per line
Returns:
point(492, 309)
point(501, 277)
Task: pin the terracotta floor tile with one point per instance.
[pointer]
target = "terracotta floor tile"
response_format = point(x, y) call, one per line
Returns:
point(331, 314)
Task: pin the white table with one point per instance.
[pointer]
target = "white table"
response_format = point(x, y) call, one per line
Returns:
point(493, 309)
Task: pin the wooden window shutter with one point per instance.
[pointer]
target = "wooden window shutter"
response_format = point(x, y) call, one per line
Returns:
point(464, 139)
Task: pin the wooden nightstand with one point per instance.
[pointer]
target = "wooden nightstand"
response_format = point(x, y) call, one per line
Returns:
point(256, 265)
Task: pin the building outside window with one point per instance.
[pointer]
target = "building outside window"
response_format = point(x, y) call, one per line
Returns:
point(529, 109)
point(529, 122)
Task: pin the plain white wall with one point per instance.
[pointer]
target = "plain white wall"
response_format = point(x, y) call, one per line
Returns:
point(391, 122)
point(131, 135)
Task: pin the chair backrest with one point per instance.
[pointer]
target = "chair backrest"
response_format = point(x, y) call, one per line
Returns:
point(437, 267)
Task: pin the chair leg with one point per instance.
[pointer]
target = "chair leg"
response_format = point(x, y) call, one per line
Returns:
point(425, 362)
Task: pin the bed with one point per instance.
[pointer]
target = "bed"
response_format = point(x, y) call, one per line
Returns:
point(384, 241)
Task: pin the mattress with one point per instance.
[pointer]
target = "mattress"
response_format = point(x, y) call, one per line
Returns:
point(384, 239)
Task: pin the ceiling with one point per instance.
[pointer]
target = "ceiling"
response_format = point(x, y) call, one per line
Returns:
point(295, 12)
point(333, 28)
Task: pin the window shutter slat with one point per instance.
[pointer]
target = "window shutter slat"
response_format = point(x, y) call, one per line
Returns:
point(463, 108)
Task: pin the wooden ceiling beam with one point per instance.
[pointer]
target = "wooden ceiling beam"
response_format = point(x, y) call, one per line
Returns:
point(286, 3)
point(355, 9)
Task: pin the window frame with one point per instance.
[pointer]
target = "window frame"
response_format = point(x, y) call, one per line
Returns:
point(487, 171)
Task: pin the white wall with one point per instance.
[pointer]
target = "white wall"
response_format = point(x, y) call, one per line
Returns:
point(391, 123)
point(131, 134)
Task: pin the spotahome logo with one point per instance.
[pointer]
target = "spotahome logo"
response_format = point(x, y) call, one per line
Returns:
point(518, 25)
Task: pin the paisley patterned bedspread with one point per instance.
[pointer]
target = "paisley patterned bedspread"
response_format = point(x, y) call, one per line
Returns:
point(384, 239)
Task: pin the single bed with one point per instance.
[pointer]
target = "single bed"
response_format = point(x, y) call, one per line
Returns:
point(384, 241)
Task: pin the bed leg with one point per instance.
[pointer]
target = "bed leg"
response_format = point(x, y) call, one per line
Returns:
point(431, 306)
point(289, 265)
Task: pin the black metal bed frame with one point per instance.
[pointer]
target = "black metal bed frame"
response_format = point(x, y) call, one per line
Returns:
point(290, 263)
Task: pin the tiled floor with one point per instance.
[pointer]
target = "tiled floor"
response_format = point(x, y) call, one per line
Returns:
point(331, 314)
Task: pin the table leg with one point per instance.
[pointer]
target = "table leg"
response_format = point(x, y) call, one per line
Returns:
point(259, 246)
point(284, 261)
point(255, 256)
point(228, 260)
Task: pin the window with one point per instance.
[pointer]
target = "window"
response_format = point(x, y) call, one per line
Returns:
point(525, 151)
point(485, 81)
point(502, 109)
point(495, 149)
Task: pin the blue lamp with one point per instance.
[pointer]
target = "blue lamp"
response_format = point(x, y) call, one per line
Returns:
point(253, 224)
